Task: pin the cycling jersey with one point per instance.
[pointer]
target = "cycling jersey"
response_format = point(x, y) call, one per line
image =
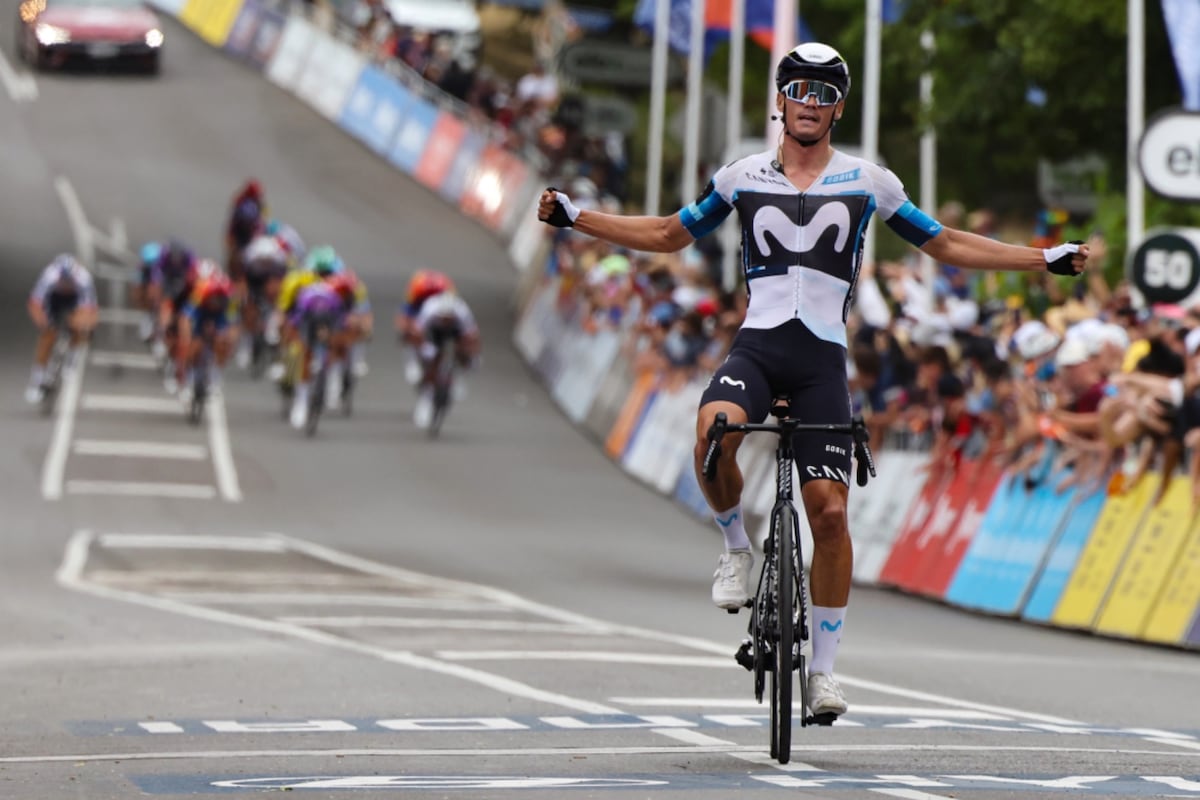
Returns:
point(206, 318)
point(293, 283)
point(449, 311)
point(802, 250)
point(85, 287)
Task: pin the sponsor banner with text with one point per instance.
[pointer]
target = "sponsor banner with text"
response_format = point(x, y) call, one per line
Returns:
point(329, 75)
point(1147, 566)
point(1171, 620)
point(291, 52)
point(376, 109)
point(906, 547)
point(444, 142)
point(1102, 556)
point(211, 19)
point(413, 135)
point(172, 7)
point(1064, 556)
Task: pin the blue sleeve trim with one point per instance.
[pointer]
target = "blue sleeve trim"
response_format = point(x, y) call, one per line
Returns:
point(703, 216)
point(913, 225)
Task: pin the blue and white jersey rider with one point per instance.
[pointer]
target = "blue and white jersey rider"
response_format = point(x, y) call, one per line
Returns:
point(802, 249)
point(63, 271)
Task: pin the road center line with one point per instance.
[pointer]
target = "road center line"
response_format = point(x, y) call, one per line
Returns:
point(85, 248)
point(222, 453)
point(21, 86)
point(112, 358)
point(55, 465)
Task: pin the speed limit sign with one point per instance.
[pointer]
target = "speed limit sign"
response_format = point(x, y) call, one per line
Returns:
point(1165, 266)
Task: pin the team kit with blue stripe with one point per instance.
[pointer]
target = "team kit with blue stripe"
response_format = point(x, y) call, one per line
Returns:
point(801, 254)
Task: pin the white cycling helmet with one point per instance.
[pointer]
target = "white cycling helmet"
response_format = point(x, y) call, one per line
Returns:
point(814, 61)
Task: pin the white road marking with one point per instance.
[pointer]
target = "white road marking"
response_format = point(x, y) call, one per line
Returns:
point(55, 465)
point(588, 655)
point(753, 750)
point(1191, 745)
point(122, 316)
point(435, 623)
point(320, 599)
point(160, 727)
point(158, 541)
point(661, 637)
point(131, 449)
point(111, 358)
point(21, 86)
point(857, 709)
point(930, 697)
point(71, 576)
point(693, 737)
point(222, 454)
point(189, 491)
point(909, 794)
point(85, 247)
point(138, 404)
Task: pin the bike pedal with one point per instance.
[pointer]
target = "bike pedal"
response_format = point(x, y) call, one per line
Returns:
point(732, 610)
point(744, 657)
point(824, 720)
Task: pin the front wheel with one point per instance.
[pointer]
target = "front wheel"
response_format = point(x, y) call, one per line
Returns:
point(316, 404)
point(783, 632)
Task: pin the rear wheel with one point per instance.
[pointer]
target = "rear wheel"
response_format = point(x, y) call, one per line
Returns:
point(316, 403)
point(783, 631)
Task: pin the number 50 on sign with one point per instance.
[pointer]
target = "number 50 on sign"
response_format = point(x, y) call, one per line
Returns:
point(1165, 267)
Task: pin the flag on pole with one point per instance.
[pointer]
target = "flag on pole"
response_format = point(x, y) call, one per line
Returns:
point(1183, 28)
point(717, 15)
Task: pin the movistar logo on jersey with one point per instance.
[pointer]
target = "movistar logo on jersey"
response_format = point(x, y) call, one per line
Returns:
point(842, 177)
point(801, 238)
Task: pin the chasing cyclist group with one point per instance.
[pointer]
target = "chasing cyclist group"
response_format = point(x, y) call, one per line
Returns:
point(269, 307)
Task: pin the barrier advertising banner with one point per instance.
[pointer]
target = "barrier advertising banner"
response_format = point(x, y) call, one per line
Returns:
point(982, 561)
point(448, 133)
point(376, 108)
point(938, 568)
point(241, 34)
point(1102, 557)
point(1148, 563)
point(909, 543)
point(291, 53)
point(1064, 556)
point(462, 169)
point(172, 7)
point(211, 19)
point(413, 135)
point(939, 530)
point(329, 75)
point(881, 523)
point(641, 396)
point(491, 194)
point(1172, 617)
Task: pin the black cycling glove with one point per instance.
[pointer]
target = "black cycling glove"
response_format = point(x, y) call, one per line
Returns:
point(565, 212)
point(1058, 258)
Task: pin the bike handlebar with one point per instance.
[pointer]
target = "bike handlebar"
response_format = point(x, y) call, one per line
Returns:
point(857, 428)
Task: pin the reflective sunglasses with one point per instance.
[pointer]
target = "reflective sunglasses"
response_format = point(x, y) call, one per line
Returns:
point(799, 91)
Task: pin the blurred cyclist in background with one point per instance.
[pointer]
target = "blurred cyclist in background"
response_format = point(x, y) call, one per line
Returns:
point(444, 320)
point(147, 294)
point(289, 238)
point(176, 274)
point(63, 299)
point(265, 261)
point(424, 284)
point(322, 262)
point(319, 311)
point(247, 218)
point(206, 320)
point(349, 337)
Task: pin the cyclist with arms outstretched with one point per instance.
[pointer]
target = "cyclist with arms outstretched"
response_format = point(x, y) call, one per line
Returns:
point(803, 210)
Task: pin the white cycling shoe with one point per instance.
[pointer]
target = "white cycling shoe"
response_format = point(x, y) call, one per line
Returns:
point(824, 695)
point(731, 581)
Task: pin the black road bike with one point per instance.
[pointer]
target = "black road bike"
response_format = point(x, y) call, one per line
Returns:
point(60, 356)
point(779, 609)
point(201, 376)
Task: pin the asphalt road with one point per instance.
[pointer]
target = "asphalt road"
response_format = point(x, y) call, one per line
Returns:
point(231, 607)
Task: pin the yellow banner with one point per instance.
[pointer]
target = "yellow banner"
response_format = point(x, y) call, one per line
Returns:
point(211, 19)
point(1101, 557)
point(1144, 571)
point(1172, 617)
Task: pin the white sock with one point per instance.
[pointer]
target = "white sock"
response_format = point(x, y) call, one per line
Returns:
point(733, 526)
point(827, 633)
